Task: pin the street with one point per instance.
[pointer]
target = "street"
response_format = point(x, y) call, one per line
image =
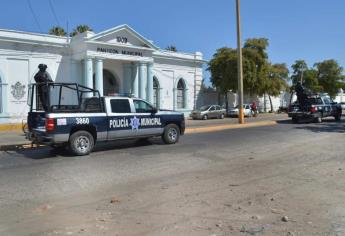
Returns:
point(283, 179)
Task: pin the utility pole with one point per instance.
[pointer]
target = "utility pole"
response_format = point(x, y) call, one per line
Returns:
point(239, 66)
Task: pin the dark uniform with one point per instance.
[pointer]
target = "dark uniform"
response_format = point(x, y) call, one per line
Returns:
point(42, 77)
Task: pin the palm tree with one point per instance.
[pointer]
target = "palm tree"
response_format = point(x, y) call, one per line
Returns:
point(80, 29)
point(171, 48)
point(58, 31)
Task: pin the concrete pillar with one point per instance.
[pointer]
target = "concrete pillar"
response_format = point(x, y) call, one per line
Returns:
point(185, 96)
point(135, 82)
point(149, 91)
point(174, 98)
point(142, 80)
point(127, 78)
point(99, 76)
point(88, 71)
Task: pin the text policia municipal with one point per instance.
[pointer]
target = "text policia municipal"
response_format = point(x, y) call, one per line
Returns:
point(125, 122)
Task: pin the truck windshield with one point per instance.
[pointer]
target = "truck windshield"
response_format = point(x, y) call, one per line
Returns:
point(315, 100)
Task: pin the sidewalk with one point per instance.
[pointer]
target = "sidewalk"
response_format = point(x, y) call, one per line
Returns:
point(17, 138)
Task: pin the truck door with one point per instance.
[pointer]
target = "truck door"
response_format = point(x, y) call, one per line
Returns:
point(328, 107)
point(149, 122)
point(119, 115)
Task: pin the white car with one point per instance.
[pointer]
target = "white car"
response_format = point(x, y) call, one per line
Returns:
point(233, 112)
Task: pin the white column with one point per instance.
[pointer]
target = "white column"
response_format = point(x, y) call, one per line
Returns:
point(127, 78)
point(88, 71)
point(99, 76)
point(135, 84)
point(149, 91)
point(142, 80)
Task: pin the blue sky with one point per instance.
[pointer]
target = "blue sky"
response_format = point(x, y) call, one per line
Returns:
point(312, 30)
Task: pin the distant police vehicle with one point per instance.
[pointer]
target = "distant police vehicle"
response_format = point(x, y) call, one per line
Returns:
point(63, 114)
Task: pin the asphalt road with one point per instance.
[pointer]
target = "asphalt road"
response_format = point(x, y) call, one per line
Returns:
point(231, 182)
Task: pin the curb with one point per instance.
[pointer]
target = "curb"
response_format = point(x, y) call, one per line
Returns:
point(11, 127)
point(228, 126)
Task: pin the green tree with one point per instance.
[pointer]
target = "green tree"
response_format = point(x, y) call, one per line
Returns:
point(58, 31)
point(276, 80)
point(298, 70)
point(255, 65)
point(80, 29)
point(329, 74)
point(223, 68)
point(171, 48)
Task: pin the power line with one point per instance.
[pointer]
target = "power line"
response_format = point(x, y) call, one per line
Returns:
point(34, 15)
point(54, 13)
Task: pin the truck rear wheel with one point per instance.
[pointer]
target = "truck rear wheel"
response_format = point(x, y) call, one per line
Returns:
point(81, 143)
point(171, 134)
point(337, 117)
point(318, 119)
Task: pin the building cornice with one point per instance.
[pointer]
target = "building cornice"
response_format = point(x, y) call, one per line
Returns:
point(119, 45)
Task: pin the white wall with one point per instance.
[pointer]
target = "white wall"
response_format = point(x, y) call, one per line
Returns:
point(21, 66)
point(168, 76)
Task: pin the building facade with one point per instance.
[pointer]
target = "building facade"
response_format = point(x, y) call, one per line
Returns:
point(115, 61)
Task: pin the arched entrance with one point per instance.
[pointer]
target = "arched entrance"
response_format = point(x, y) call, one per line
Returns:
point(110, 83)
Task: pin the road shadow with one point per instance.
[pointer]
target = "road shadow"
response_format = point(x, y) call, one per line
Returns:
point(44, 152)
point(329, 127)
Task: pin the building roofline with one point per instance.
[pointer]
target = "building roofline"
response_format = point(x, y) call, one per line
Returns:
point(130, 29)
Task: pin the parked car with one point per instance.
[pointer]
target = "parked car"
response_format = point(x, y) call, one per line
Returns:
point(233, 112)
point(207, 112)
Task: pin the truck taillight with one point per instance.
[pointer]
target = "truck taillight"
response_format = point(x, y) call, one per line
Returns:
point(313, 109)
point(50, 124)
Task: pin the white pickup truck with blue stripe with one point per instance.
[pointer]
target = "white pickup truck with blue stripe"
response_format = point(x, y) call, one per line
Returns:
point(75, 116)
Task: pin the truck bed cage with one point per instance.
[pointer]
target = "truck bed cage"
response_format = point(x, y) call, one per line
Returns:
point(64, 97)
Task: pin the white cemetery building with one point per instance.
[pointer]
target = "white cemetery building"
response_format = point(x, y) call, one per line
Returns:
point(115, 61)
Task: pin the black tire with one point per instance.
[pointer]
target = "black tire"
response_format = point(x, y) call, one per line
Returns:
point(294, 120)
point(81, 143)
point(318, 119)
point(221, 116)
point(337, 117)
point(204, 117)
point(171, 134)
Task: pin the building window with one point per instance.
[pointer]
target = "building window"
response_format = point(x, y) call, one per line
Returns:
point(155, 92)
point(181, 94)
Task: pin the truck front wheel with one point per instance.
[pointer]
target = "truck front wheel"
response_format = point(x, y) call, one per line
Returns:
point(171, 134)
point(81, 143)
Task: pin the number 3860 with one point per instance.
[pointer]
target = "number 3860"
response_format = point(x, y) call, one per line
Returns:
point(81, 121)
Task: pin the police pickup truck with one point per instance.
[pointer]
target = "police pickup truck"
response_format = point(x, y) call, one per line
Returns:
point(314, 107)
point(76, 116)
